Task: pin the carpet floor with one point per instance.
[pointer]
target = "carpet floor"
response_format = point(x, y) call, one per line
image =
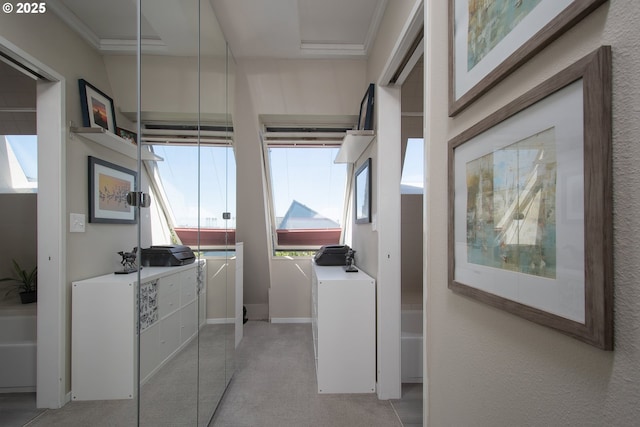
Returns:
point(274, 384)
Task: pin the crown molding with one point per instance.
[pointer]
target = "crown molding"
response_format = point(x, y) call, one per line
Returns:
point(103, 45)
point(74, 22)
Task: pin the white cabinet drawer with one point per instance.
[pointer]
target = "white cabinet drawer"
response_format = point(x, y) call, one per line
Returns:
point(188, 321)
point(188, 288)
point(169, 335)
point(169, 284)
point(169, 302)
point(149, 357)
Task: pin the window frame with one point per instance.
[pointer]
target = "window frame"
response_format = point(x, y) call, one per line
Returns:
point(275, 245)
point(156, 182)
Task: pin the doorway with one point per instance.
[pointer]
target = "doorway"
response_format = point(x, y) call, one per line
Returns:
point(48, 105)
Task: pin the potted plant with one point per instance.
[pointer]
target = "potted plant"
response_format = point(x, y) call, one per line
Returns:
point(27, 283)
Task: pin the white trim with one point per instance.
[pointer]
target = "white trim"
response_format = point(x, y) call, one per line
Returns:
point(52, 256)
point(378, 14)
point(222, 321)
point(239, 300)
point(52, 292)
point(314, 47)
point(408, 34)
point(74, 22)
point(347, 49)
point(5, 390)
point(290, 320)
point(388, 293)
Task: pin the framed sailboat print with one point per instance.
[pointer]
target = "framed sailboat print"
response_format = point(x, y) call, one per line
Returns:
point(489, 39)
point(530, 208)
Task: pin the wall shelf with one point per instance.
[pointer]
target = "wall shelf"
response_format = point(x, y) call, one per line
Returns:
point(353, 145)
point(114, 142)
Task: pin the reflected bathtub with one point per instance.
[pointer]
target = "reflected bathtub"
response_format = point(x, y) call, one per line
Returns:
point(18, 348)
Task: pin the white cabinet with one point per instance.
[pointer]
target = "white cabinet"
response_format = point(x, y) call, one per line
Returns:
point(344, 324)
point(104, 328)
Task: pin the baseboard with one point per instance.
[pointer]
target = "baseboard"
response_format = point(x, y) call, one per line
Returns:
point(290, 320)
point(29, 389)
point(221, 321)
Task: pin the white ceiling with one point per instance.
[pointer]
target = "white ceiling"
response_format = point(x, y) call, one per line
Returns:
point(299, 28)
point(253, 28)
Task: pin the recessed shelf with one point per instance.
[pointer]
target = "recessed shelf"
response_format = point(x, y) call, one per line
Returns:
point(353, 145)
point(114, 142)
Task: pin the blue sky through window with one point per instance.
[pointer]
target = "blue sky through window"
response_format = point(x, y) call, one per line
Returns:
point(309, 176)
point(413, 167)
point(25, 147)
point(179, 175)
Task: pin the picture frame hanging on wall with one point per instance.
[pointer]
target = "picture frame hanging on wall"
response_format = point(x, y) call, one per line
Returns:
point(362, 193)
point(365, 118)
point(530, 207)
point(489, 40)
point(97, 108)
point(109, 185)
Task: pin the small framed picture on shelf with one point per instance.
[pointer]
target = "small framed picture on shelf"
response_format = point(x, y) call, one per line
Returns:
point(132, 137)
point(97, 107)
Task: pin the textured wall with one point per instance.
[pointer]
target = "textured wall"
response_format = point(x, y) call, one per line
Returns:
point(487, 367)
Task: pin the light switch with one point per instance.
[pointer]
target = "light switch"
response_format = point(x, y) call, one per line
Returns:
point(76, 223)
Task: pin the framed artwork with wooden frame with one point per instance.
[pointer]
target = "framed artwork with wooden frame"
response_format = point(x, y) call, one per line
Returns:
point(530, 205)
point(489, 40)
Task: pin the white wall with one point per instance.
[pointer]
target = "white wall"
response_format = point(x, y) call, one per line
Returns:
point(178, 79)
point(221, 276)
point(290, 293)
point(487, 367)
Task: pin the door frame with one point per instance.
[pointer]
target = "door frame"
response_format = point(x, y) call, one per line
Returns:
point(52, 313)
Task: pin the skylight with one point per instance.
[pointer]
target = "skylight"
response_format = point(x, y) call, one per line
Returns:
point(19, 163)
point(412, 181)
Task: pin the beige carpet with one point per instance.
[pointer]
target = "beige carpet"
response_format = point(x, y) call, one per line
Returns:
point(274, 384)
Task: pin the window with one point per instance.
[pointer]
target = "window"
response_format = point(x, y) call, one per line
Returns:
point(307, 195)
point(412, 181)
point(18, 163)
point(178, 176)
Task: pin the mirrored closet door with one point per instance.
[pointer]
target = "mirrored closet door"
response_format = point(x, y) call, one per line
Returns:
point(187, 166)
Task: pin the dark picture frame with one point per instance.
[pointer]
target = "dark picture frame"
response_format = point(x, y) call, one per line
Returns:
point(362, 193)
point(365, 118)
point(97, 108)
point(475, 70)
point(563, 210)
point(109, 185)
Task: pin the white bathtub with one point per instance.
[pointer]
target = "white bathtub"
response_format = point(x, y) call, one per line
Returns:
point(411, 343)
point(18, 348)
